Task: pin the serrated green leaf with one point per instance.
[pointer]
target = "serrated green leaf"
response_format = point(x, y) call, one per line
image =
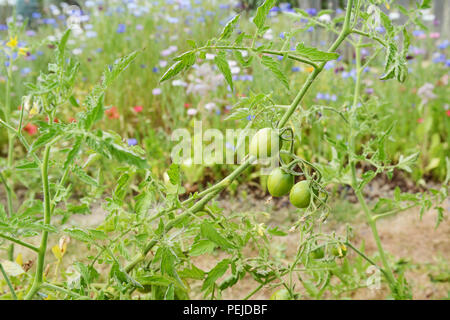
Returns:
point(201, 247)
point(262, 12)
point(175, 69)
point(229, 28)
point(174, 174)
point(47, 137)
point(209, 232)
point(274, 66)
point(315, 54)
point(222, 64)
point(78, 234)
point(215, 273)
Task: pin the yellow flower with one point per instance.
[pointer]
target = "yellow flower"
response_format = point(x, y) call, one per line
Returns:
point(35, 109)
point(388, 6)
point(12, 42)
point(23, 51)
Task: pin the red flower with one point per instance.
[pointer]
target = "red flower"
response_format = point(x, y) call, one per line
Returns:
point(420, 120)
point(138, 109)
point(31, 129)
point(71, 120)
point(112, 113)
point(448, 113)
point(187, 105)
point(54, 120)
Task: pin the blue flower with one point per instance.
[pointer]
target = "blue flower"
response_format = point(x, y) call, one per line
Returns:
point(155, 69)
point(296, 69)
point(250, 117)
point(25, 71)
point(91, 34)
point(311, 11)
point(3, 27)
point(418, 33)
point(121, 28)
point(36, 15)
point(443, 45)
point(380, 29)
point(132, 142)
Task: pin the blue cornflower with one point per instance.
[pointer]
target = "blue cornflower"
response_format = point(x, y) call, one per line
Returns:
point(91, 34)
point(418, 33)
point(311, 11)
point(25, 71)
point(3, 27)
point(250, 117)
point(443, 45)
point(121, 28)
point(296, 69)
point(380, 29)
point(36, 15)
point(132, 142)
point(155, 69)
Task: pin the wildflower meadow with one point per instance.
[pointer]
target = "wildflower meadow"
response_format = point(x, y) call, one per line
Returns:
point(217, 150)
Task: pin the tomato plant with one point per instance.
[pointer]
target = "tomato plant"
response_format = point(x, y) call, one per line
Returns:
point(154, 229)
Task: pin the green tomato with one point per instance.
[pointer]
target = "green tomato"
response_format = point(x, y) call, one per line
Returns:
point(282, 294)
point(263, 142)
point(339, 250)
point(300, 195)
point(280, 182)
point(317, 254)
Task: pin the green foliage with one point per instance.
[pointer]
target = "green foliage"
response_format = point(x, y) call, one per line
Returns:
point(154, 231)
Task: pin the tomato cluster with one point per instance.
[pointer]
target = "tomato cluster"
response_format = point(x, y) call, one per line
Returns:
point(280, 181)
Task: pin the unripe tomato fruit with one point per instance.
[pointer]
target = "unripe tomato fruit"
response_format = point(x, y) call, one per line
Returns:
point(300, 195)
point(280, 182)
point(262, 143)
point(281, 294)
point(339, 250)
point(317, 254)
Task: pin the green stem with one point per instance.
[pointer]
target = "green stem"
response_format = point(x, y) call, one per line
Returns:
point(272, 52)
point(64, 290)
point(8, 282)
point(39, 275)
point(8, 194)
point(352, 145)
point(19, 242)
point(344, 33)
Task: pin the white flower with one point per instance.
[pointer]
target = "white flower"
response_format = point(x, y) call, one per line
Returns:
point(77, 51)
point(325, 18)
point(179, 83)
point(235, 70)
point(210, 106)
point(156, 91)
point(426, 92)
point(232, 63)
point(394, 15)
point(268, 35)
point(162, 63)
point(427, 15)
point(192, 112)
point(210, 56)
